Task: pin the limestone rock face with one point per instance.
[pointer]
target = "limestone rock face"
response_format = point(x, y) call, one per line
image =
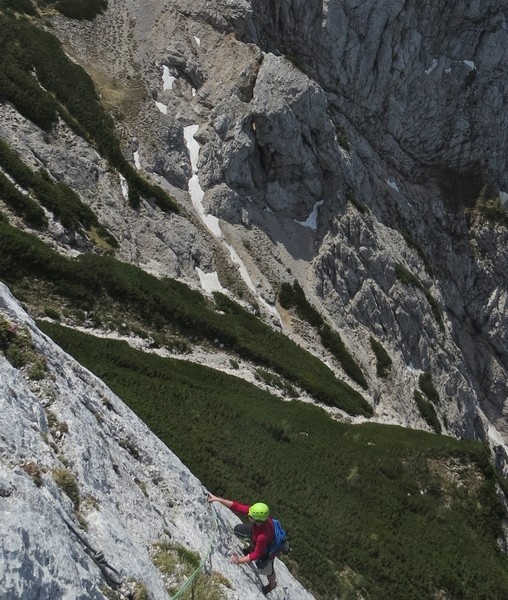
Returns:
point(134, 493)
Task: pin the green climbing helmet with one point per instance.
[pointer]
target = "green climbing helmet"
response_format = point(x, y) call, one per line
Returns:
point(259, 511)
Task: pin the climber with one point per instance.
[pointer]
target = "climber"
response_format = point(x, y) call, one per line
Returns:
point(260, 534)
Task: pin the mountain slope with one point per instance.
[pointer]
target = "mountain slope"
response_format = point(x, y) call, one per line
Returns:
point(281, 142)
point(353, 498)
point(77, 463)
point(338, 170)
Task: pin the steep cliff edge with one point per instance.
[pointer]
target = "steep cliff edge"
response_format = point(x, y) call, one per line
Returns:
point(93, 505)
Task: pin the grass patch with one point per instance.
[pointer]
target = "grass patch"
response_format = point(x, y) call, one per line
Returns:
point(33, 469)
point(68, 484)
point(16, 345)
point(170, 558)
point(177, 564)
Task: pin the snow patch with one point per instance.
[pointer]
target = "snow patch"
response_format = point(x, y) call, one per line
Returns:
point(124, 187)
point(393, 185)
point(431, 68)
point(196, 193)
point(137, 162)
point(162, 107)
point(212, 222)
point(209, 281)
point(470, 64)
point(167, 79)
point(311, 221)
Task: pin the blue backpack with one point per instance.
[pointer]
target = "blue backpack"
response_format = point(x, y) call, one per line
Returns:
point(279, 538)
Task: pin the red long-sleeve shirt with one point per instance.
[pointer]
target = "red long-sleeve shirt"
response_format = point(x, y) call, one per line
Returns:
point(262, 534)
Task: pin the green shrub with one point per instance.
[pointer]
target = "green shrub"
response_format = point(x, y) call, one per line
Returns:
point(140, 592)
point(21, 204)
point(57, 197)
point(16, 344)
point(109, 594)
point(178, 563)
point(383, 360)
point(427, 411)
point(91, 279)
point(495, 211)
point(20, 6)
point(130, 447)
point(7, 333)
point(342, 139)
point(412, 244)
point(16, 352)
point(253, 340)
point(428, 388)
point(34, 471)
point(360, 207)
point(490, 209)
point(206, 587)
point(333, 342)
point(52, 313)
point(170, 558)
point(56, 426)
point(63, 88)
point(68, 484)
point(386, 493)
point(294, 297)
point(275, 381)
point(37, 367)
point(286, 296)
point(81, 9)
point(407, 278)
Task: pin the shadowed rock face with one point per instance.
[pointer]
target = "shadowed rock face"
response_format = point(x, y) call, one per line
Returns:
point(422, 81)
